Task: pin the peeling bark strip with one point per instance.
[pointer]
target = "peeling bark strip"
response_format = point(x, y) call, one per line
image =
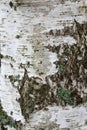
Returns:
point(34, 95)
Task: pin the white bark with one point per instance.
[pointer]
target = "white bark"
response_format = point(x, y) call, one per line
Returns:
point(31, 21)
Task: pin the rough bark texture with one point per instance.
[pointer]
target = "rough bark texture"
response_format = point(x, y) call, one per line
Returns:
point(34, 36)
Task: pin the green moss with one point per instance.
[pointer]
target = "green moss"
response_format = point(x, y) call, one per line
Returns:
point(65, 94)
point(15, 78)
point(5, 119)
